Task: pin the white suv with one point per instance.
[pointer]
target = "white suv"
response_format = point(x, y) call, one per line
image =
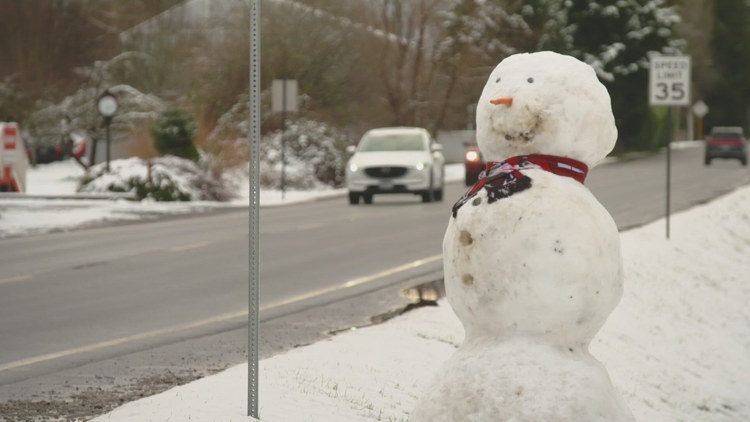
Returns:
point(396, 160)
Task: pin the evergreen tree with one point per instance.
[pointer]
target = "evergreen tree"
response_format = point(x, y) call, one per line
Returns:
point(729, 100)
point(548, 23)
point(173, 135)
point(613, 36)
point(616, 37)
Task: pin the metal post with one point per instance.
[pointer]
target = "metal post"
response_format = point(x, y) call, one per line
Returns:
point(669, 163)
point(108, 123)
point(107, 106)
point(699, 130)
point(283, 135)
point(254, 134)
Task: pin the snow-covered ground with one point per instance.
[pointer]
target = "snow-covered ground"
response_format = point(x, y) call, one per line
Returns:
point(677, 347)
point(40, 212)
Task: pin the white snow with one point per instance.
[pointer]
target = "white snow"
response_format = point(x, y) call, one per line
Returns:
point(39, 212)
point(676, 347)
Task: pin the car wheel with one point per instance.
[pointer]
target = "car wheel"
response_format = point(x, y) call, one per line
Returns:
point(353, 198)
point(368, 198)
point(427, 195)
point(744, 161)
point(707, 161)
point(438, 195)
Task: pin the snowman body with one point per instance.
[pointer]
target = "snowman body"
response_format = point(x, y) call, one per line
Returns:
point(520, 380)
point(532, 269)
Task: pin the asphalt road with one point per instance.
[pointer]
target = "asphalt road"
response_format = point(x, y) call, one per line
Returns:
point(635, 191)
point(109, 307)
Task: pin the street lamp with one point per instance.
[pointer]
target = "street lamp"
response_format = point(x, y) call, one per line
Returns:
point(107, 106)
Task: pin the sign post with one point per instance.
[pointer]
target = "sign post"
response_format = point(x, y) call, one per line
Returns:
point(254, 135)
point(283, 99)
point(700, 109)
point(107, 106)
point(669, 85)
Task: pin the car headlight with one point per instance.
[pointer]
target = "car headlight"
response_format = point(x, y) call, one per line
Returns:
point(420, 166)
point(472, 156)
point(353, 168)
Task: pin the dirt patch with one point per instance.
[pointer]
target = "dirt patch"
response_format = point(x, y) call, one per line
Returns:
point(91, 402)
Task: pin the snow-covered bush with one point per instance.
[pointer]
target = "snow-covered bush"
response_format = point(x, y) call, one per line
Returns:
point(166, 178)
point(314, 155)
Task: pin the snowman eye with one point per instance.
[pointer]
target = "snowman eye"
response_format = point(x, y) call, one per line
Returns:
point(497, 80)
point(530, 80)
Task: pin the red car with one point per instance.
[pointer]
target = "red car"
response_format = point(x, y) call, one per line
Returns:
point(473, 163)
point(726, 142)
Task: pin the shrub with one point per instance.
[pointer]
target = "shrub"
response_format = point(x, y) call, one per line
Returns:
point(315, 155)
point(173, 134)
point(160, 179)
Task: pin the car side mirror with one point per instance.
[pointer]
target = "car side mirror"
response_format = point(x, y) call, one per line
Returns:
point(435, 147)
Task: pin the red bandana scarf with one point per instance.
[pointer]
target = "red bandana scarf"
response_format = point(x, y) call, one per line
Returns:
point(504, 178)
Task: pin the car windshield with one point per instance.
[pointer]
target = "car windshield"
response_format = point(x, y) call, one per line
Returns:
point(726, 135)
point(392, 142)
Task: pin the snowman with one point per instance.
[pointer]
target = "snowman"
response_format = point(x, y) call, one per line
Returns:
point(531, 259)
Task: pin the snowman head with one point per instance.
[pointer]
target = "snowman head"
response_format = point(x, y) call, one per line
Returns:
point(545, 103)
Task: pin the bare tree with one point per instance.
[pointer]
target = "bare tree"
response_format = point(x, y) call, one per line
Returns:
point(77, 111)
point(401, 46)
point(45, 41)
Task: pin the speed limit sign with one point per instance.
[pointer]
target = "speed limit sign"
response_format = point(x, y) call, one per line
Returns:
point(669, 81)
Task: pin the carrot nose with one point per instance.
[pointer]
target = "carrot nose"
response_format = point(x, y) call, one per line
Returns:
point(505, 100)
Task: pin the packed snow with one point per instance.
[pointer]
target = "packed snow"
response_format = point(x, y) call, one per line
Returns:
point(676, 347)
point(531, 259)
